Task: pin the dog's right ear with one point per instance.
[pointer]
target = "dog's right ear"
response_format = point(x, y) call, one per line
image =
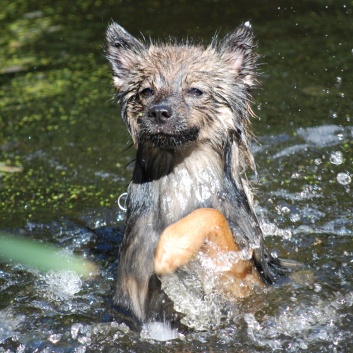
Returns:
point(123, 52)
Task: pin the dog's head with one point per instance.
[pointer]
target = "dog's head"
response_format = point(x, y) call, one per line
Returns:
point(176, 94)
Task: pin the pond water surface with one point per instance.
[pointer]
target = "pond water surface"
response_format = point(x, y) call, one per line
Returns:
point(64, 161)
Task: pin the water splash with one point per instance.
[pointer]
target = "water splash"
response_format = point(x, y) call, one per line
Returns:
point(194, 289)
point(62, 285)
point(159, 331)
point(298, 326)
point(270, 229)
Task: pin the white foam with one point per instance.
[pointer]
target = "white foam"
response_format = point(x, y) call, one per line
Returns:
point(159, 331)
point(62, 285)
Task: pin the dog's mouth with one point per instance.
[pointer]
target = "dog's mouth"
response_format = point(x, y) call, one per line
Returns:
point(175, 140)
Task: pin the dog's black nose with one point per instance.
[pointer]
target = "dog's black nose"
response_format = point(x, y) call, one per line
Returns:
point(160, 113)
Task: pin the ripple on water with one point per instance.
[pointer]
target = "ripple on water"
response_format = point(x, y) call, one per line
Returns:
point(325, 135)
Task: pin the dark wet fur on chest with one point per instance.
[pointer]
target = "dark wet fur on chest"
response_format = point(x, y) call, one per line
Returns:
point(187, 108)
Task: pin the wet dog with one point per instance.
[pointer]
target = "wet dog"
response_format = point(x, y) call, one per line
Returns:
point(187, 108)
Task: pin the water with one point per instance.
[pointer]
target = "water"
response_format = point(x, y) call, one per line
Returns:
point(344, 178)
point(64, 161)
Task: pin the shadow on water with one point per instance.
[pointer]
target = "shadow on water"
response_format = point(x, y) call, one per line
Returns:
point(64, 161)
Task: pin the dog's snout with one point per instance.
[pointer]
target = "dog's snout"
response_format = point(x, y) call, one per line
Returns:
point(160, 113)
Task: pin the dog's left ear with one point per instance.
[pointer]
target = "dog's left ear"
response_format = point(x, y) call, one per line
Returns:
point(237, 48)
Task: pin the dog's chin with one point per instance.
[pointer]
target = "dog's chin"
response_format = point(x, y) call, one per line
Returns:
point(175, 140)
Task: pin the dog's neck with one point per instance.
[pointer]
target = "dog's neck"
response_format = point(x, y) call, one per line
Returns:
point(177, 181)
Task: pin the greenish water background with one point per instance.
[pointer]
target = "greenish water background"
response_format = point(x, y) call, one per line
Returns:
point(57, 120)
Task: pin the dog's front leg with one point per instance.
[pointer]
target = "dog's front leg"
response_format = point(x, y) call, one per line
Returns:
point(206, 230)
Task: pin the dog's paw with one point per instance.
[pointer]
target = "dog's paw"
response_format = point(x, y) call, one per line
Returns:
point(205, 233)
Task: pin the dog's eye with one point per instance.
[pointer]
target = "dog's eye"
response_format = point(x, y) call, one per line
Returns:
point(147, 92)
point(195, 92)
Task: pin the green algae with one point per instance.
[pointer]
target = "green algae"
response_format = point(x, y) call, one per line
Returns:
point(54, 113)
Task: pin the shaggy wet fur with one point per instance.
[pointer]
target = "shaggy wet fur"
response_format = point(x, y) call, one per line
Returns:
point(187, 109)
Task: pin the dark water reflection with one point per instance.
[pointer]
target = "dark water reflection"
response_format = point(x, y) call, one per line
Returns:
point(68, 152)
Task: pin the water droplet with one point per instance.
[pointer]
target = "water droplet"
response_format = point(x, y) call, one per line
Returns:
point(333, 115)
point(317, 287)
point(295, 217)
point(343, 178)
point(55, 338)
point(336, 157)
